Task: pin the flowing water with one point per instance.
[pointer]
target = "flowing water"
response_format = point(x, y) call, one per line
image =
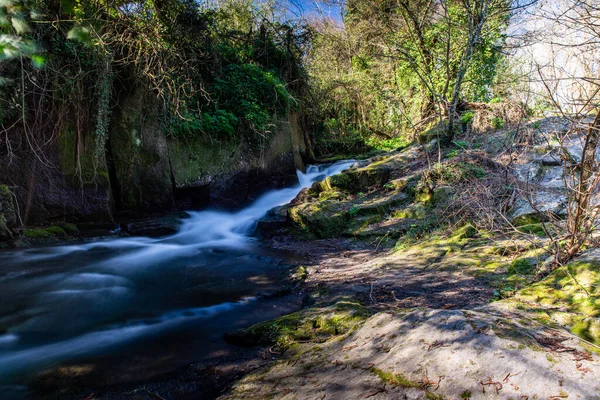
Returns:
point(176, 295)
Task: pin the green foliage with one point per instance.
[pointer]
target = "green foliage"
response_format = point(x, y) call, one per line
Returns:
point(497, 123)
point(416, 61)
point(467, 117)
point(217, 124)
point(16, 17)
point(252, 95)
point(397, 143)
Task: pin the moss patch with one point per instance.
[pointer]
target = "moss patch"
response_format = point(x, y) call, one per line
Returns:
point(570, 296)
point(43, 233)
point(313, 324)
point(394, 379)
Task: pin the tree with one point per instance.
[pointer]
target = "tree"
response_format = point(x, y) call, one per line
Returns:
point(566, 75)
point(415, 60)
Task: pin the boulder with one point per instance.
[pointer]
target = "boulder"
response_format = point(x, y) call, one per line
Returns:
point(273, 220)
point(354, 181)
point(546, 202)
point(333, 217)
point(154, 227)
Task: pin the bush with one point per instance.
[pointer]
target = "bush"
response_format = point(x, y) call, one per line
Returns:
point(252, 95)
point(467, 117)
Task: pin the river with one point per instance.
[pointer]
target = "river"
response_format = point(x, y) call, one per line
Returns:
point(166, 301)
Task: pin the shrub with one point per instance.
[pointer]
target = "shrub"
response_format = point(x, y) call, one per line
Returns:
point(497, 123)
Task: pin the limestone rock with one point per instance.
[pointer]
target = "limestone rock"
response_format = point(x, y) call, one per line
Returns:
point(476, 354)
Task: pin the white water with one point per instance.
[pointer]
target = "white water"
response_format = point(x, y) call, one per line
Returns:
point(78, 304)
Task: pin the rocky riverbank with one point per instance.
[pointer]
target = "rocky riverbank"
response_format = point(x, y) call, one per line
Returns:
point(403, 297)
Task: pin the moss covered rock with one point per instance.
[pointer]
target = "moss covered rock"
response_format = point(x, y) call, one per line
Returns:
point(570, 295)
point(355, 181)
point(316, 324)
point(334, 217)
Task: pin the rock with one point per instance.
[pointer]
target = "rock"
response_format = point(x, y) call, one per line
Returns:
point(354, 181)
point(273, 220)
point(391, 228)
point(450, 354)
point(442, 194)
point(154, 227)
point(413, 211)
point(551, 160)
point(332, 217)
point(548, 192)
point(8, 217)
point(546, 202)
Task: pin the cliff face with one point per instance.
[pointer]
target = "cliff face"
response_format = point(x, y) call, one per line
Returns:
point(140, 169)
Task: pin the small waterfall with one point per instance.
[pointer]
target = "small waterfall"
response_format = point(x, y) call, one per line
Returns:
point(90, 298)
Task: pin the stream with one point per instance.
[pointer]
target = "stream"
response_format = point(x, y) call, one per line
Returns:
point(132, 301)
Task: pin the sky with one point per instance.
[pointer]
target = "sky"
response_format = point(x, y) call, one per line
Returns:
point(319, 7)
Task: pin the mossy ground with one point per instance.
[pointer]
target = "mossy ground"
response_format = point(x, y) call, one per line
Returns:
point(316, 324)
point(569, 296)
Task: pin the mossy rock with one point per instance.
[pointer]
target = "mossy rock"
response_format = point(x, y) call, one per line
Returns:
point(354, 181)
point(70, 229)
point(322, 219)
point(311, 324)
point(413, 211)
point(528, 219)
point(570, 295)
point(533, 229)
point(44, 233)
point(391, 229)
point(332, 218)
point(442, 195)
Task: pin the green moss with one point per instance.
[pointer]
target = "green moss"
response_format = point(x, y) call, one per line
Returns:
point(522, 266)
point(528, 219)
point(301, 274)
point(569, 296)
point(413, 211)
point(313, 324)
point(533, 229)
point(70, 229)
point(466, 394)
point(42, 233)
point(394, 379)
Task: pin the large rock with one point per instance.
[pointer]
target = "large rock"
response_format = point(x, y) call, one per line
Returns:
point(232, 173)
point(434, 354)
point(139, 155)
point(336, 216)
point(355, 180)
point(65, 184)
point(155, 227)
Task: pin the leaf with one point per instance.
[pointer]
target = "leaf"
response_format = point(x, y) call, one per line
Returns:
point(20, 24)
point(80, 34)
point(38, 61)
